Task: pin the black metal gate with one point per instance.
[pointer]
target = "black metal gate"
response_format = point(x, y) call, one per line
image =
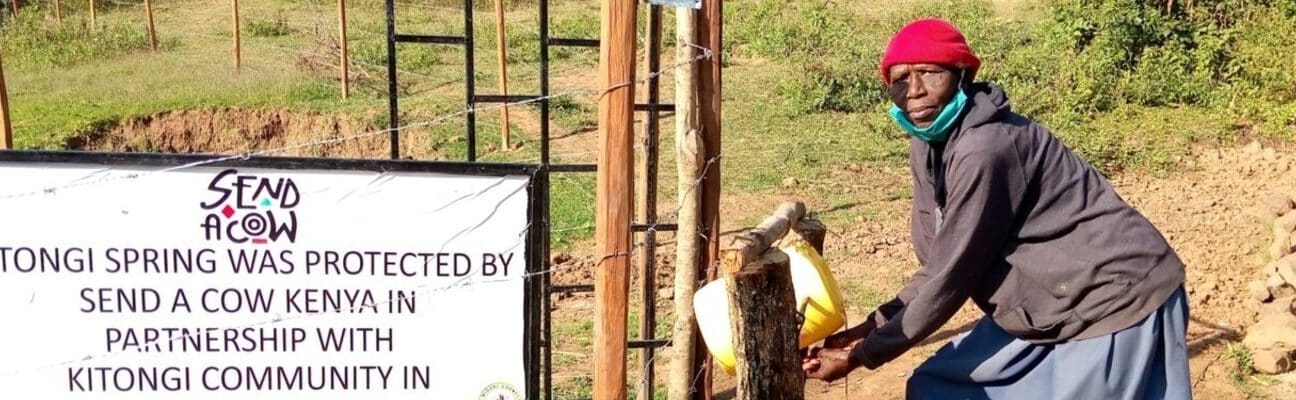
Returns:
point(539, 338)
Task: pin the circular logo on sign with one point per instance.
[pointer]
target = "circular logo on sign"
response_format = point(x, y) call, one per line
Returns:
point(500, 391)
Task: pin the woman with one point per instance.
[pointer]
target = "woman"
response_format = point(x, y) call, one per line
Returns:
point(1083, 296)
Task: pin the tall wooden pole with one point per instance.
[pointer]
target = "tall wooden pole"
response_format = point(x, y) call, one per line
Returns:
point(615, 198)
point(346, 60)
point(58, 11)
point(6, 129)
point(711, 35)
point(14, 4)
point(94, 17)
point(689, 151)
point(646, 209)
point(148, 8)
point(238, 50)
point(502, 50)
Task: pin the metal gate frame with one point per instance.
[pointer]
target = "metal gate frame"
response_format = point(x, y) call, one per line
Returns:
point(539, 338)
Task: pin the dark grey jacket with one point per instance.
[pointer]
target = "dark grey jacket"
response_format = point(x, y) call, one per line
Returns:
point(1030, 232)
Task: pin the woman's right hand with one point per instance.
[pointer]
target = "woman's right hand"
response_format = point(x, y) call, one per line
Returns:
point(847, 339)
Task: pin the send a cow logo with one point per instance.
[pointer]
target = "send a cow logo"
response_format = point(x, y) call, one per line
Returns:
point(250, 208)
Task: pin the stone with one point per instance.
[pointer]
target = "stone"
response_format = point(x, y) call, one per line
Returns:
point(1287, 222)
point(1281, 245)
point(1272, 332)
point(790, 182)
point(1275, 281)
point(1280, 305)
point(1276, 204)
point(560, 258)
point(1287, 269)
point(1253, 148)
point(1259, 291)
point(1269, 154)
point(1270, 268)
point(1273, 361)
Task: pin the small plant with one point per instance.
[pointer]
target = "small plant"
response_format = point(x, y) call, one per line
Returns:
point(1243, 373)
point(273, 27)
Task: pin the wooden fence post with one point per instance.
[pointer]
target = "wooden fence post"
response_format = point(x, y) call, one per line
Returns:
point(689, 153)
point(58, 11)
point(94, 17)
point(762, 302)
point(502, 50)
point(710, 34)
point(14, 4)
point(6, 129)
point(646, 209)
point(346, 60)
point(238, 50)
point(148, 8)
point(615, 204)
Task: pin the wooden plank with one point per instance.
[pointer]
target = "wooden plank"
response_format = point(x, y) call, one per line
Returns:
point(615, 205)
point(762, 302)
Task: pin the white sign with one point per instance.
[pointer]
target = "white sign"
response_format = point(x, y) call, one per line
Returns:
point(241, 283)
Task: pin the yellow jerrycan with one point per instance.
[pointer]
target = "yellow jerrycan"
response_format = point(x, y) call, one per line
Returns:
point(814, 288)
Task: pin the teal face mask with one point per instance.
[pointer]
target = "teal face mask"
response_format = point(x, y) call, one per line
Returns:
point(939, 129)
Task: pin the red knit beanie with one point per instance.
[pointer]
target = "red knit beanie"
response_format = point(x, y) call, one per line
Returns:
point(930, 41)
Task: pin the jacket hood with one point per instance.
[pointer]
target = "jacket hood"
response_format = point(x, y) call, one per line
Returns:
point(989, 104)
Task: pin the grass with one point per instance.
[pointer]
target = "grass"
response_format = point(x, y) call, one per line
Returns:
point(1243, 372)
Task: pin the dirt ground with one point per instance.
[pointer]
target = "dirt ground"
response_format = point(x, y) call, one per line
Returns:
point(1202, 210)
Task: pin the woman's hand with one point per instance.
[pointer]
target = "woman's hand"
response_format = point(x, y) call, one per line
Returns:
point(847, 339)
point(827, 364)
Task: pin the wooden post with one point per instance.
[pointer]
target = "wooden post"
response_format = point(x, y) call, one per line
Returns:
point(614, 204)
point(238, 51)
point(710, 35)
point(689, 149)
point(6, 129)
point(765, 335)
point(762, 299)
point(58, 11)
point(93, 13)
point(501, 45)
point(646, 210)
point(14, 4)
point(148, 8)
point(346, 60)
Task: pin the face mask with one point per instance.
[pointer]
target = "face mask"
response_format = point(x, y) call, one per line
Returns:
point(939, 129)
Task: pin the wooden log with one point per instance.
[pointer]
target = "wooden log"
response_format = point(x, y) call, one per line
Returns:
point(152, 30)
point(750, 245)
point(812, 231)
point(710, 35)
point(501, 50)
point(762, 302)
point(6, 129)
point(614, 204)
point(342, 43)
point(238, 44)
point(684, 365)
